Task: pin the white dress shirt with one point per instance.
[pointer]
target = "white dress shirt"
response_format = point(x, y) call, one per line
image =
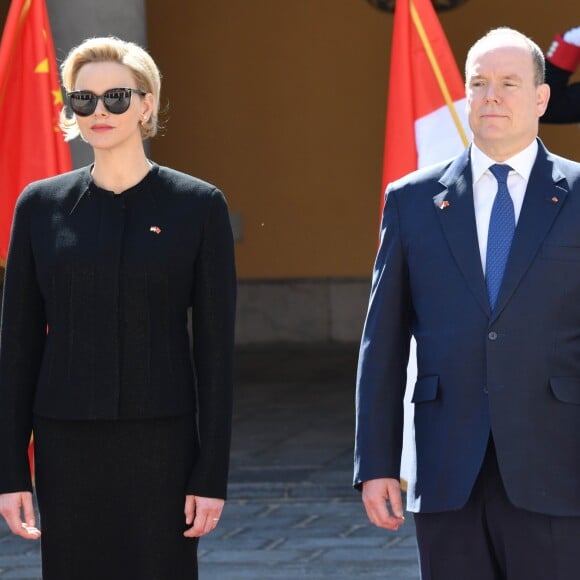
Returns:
point(485, 187)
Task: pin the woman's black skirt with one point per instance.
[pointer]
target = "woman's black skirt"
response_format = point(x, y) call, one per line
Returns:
point(111, 496)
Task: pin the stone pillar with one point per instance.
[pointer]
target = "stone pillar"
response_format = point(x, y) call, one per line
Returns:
point(72, 21)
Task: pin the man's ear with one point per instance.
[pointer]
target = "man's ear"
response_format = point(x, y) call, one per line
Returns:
point(542, 98)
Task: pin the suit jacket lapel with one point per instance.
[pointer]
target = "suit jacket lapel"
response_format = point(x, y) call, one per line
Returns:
point(545, 196)
point(454, 207)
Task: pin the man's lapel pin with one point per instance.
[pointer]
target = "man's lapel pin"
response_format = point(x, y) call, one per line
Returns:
point(444, 204)
point(155, 230)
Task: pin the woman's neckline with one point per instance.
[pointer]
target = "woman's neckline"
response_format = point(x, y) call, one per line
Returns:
point(153, 169)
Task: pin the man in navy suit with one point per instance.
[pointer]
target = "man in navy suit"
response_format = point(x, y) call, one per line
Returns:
point(496, 485)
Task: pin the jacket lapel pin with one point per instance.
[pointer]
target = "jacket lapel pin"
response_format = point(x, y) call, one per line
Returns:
point(443, 204)
point(555, 199)
point(155, 230)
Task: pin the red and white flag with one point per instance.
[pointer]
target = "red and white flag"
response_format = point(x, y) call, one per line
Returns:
point(426, 123)
point(426, 119)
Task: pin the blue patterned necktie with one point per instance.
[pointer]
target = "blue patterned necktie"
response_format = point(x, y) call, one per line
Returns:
point(502, 225)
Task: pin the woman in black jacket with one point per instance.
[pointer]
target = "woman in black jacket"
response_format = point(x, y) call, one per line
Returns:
point(131, 421)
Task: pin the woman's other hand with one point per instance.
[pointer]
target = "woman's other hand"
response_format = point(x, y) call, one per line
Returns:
point(202, 514)
point(18, 511)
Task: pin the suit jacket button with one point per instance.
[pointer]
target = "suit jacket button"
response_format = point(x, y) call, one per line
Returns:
point(492, 335)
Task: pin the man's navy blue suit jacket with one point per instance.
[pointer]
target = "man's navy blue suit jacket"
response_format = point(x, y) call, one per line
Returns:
point(514, 372)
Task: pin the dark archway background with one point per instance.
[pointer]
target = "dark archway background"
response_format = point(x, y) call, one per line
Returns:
point(4, 5)
point(440, 5)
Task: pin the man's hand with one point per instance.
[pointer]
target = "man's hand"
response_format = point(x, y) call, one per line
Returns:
point(18, 511)
point(202, 514)
point(378, 496)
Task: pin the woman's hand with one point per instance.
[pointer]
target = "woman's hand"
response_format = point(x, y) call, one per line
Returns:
point(18, 511)
point(202, 514)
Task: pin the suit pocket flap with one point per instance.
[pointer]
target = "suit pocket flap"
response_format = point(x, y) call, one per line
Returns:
point(554, 252)
point(426, 389)
point(566, 389)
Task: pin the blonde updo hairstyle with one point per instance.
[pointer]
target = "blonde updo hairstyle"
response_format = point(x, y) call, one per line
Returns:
point(112, 49)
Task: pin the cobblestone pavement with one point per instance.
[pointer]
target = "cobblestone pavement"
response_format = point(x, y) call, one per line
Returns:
point(301, 538)
point(291, 511)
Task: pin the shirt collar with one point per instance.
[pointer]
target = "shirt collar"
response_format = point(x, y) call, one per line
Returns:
point(521, 163)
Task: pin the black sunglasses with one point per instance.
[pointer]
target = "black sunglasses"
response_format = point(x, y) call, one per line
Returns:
point(116, 101)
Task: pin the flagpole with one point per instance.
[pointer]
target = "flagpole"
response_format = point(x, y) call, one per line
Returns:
point(437, 71)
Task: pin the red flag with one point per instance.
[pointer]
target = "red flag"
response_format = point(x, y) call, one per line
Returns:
point(31, 144)
point(426, 119)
